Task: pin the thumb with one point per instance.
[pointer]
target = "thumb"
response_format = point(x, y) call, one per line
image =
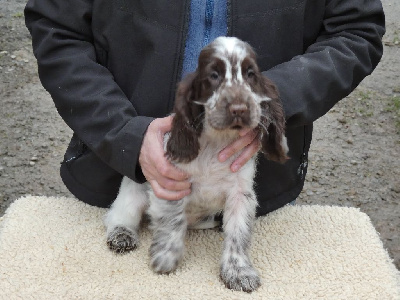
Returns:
point(166, 124)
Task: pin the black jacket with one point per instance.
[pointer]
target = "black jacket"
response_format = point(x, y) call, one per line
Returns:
point(111, 66)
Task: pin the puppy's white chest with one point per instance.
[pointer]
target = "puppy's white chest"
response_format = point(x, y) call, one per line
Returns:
point(212, 182)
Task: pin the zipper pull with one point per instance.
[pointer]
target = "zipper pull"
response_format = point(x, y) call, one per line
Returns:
point(303, 166)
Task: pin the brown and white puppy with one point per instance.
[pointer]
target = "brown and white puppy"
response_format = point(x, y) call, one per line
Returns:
point(225, 94)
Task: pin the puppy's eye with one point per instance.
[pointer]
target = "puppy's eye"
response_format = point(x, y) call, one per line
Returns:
point(214, 75)
point(250, 73)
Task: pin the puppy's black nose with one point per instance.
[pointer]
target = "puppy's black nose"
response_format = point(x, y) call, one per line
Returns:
point(238, 110)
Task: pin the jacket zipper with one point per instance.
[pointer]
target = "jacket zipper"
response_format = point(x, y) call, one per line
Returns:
point(79, 153)
point(301, 171)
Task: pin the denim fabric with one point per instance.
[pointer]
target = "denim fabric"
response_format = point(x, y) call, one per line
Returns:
point(208, 20)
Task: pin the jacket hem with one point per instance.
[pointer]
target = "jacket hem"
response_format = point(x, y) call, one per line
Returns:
point(280, 201)
point(82, 193)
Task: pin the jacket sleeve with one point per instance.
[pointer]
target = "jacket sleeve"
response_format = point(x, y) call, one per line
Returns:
point(84, 92)
point(347, 49)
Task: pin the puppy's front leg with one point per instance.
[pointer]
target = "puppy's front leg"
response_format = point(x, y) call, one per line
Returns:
point(123, 218)
point(168, 222)
point(237, 271)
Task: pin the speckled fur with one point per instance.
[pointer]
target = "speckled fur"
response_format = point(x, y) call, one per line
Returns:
point(211, 106)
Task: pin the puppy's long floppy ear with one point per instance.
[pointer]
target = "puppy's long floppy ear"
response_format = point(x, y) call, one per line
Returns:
point(273, 142)
point(183, 144)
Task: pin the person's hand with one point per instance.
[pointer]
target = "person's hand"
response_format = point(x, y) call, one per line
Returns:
point(248, 143)
point(167, 181)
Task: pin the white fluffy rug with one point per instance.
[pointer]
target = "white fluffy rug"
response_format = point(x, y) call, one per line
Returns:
point(54, 248)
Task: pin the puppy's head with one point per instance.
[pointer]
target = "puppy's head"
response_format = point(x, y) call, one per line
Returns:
point(226, 93)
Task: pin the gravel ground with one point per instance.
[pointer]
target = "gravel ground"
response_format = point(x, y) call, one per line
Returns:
point(354, 158)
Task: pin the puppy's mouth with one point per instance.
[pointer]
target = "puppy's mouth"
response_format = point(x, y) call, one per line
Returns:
point(235, 123)
point(232, 126)
point(237, 127)
point(238, 124)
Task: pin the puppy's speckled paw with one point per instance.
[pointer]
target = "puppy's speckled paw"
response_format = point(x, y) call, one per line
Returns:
point(165, 258)
point(122, 240)
point(240, 279)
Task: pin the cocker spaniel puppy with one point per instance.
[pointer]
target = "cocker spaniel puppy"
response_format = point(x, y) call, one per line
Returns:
point(226, 93)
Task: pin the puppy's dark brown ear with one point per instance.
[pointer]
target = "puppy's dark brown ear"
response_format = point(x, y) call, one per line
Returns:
point(183, 144)
point(273, 142)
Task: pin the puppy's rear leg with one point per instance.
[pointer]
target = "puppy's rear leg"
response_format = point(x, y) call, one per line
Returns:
point(123, 218)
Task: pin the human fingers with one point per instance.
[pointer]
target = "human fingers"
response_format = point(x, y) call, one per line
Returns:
point(237, 145)
point(247, 153)
point(171, 178)
point(164, 167)
point(245, 131)
point(166, 194)
point(152, 150)
point(155, 166)
point(168, 170)
point(164, 125)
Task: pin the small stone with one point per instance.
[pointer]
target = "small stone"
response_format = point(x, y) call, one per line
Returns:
point(13, 56)
point(353, 162)
point(396, 188)
point(34, 158)
point(352, 192)
point(31, 163)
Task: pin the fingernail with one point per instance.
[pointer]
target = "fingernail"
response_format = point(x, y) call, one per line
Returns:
point(243, 132)
point(235, 168)
point(222, 157)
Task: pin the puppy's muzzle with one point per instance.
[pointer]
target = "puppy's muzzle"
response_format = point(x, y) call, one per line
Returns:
point(239, 115)
point(237, 103)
